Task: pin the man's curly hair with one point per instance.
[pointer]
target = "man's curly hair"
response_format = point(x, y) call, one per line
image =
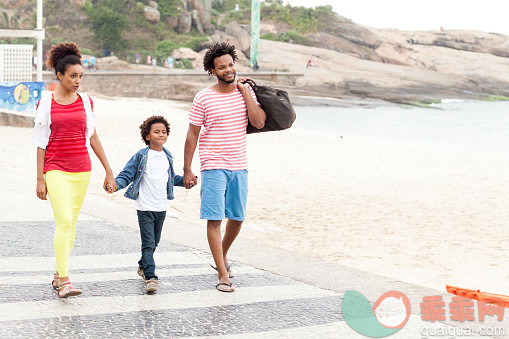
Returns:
point(215, 51)
point(147, 125)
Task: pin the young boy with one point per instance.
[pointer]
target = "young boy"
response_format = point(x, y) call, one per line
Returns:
point(151, 175)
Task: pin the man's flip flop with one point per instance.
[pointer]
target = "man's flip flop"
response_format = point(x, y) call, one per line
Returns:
point(225, 284)
point(227, 270)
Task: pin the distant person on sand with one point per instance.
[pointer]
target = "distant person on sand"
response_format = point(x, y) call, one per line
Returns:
point(154, 62)
point(149, 60)
point(224, 110)
point(310, 63)
point(170, 61)
point(137, 58)
point(64, 127)
point(92, 63)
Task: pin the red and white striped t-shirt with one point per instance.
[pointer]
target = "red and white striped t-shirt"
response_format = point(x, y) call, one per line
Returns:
point(223, 117)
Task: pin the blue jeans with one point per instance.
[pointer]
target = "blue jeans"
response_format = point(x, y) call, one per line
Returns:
point(151, 225)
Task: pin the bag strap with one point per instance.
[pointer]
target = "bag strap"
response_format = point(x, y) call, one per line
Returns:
point(251, 83)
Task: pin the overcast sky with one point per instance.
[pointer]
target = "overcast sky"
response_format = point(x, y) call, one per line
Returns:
point(483, 15)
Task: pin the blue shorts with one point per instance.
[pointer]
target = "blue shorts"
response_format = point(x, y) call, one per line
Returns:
point(223, 194)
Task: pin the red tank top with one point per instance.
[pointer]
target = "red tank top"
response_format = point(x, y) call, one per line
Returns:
point(67, 150)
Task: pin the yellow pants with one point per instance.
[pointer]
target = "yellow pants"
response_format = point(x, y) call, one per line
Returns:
point(66, 192)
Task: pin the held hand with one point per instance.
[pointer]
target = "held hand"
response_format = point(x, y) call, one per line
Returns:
point(190, 180)
point(110, 189)
point(41, 190)
point(109, 184)
point(242, 84)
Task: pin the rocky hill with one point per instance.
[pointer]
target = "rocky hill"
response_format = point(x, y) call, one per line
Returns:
point(405, 66)
point(348, 59)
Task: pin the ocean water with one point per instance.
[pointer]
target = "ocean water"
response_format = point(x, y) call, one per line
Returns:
point(480, 126)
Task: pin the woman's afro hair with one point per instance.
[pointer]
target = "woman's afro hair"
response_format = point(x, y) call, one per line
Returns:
point(62, 55)
point(215, 51)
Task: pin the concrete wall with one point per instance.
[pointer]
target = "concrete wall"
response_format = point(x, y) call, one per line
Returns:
point(16, 119)
point(175, 85)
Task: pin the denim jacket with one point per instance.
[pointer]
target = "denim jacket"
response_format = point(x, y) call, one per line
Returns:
point(134, 169)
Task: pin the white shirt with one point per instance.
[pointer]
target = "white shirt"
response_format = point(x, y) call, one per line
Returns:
point(152, 195)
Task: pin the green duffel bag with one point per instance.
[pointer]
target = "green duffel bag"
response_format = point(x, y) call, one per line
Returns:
point(277, 106)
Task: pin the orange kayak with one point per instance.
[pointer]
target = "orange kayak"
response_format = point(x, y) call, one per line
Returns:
point(497, 299)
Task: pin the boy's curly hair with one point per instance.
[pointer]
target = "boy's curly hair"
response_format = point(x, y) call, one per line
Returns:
point(62, 55)
point(217, 50)
point(147, 125)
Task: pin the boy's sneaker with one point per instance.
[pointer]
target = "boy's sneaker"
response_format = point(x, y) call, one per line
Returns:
point(151, 285)
point(140, 273)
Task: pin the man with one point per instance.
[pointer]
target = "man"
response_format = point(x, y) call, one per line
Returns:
point(223, 110)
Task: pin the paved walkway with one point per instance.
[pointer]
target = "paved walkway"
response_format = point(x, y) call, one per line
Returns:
point(279, 294)
point(113, 300)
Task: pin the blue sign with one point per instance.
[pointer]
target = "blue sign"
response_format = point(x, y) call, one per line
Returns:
point(20, 96)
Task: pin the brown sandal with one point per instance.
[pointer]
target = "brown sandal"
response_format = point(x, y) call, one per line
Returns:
point(65, 289)
point(55, 281)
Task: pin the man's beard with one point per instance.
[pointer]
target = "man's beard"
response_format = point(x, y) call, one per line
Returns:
point(220, 78)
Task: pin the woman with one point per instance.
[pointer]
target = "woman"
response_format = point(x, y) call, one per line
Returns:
point(64, 127)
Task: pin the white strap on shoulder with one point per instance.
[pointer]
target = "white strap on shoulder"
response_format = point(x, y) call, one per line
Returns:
point(86, 101)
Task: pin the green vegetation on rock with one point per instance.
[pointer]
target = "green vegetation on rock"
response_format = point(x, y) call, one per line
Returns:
point(425, 103)
point(169, 7)
point(109, 21)
point(241, 16)
point(496, 98)
point(184, 63)
point(194, 43)
point(289, 36)
point(301, 19)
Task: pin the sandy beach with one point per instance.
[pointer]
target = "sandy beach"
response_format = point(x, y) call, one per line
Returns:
point(423, 215)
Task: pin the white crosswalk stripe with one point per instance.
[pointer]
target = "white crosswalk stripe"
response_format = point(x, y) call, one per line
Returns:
point(134, 303)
